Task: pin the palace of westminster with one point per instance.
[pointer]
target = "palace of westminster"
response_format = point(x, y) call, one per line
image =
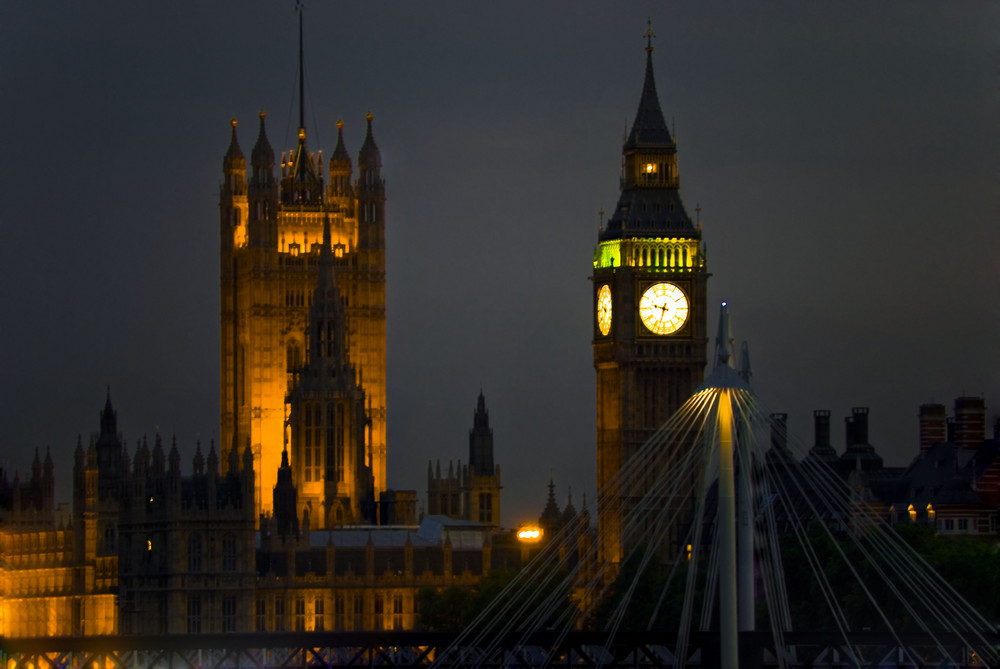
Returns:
point(290, 526)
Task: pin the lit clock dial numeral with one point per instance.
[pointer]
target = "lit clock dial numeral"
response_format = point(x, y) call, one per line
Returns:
point(663, 308)
point(604, 309)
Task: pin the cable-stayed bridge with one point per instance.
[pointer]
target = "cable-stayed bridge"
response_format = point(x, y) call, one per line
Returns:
point(740, 550)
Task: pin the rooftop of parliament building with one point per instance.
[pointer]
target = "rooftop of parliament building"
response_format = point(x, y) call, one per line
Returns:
point(147, 549)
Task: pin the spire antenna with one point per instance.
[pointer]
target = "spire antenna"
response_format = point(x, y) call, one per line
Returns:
point(302, 75)
point(649, 35)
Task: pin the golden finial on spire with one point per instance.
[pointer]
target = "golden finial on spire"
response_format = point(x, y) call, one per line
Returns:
point(262, 115)
point(340, 124)
point(369, 116)
point(649, 34)
point(233, 121)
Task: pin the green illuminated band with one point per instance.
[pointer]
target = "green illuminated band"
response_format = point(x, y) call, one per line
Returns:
point(654, 254)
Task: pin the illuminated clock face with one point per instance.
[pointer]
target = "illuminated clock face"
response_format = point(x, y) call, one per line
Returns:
point(604, 309)
point(663, 308)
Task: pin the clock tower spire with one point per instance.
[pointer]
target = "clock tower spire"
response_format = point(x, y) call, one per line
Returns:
point(649, 288)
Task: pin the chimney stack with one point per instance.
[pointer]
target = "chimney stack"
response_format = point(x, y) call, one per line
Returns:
point(821, 428)
point(970, 421)
point(857, 426)
point(933, 425)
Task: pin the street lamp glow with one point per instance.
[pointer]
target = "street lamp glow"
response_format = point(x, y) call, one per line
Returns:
point(529, 534)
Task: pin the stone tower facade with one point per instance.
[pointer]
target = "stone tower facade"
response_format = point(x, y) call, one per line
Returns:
point(470, 492)
point(483, 495)
point(649, 291)
point(327, 422)
point(271, 231)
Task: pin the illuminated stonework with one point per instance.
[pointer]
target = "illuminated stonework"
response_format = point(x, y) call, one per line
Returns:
point(147, 550)
point(671, 254)
point(271, 231)
point(652, 356)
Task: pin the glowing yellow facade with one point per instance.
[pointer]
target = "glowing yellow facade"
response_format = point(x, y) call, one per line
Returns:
point(58, 568)
point(271, 227)
point(38, 586)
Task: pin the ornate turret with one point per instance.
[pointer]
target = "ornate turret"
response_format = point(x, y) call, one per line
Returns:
point(551, 518)
point(198, 461)
point(650, 201)
point(301, 181)
point(650, 317)
point(481, 440)
point(369, 158)
point(371, 193)
point(327, 418)
point(262, 156)
point(262, 195)
point(109, 452)
point(285, 506)
point(234, 162)
point(340, 167)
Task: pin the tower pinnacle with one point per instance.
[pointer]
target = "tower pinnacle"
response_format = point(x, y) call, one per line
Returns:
point(649, 35)
point(302, 78)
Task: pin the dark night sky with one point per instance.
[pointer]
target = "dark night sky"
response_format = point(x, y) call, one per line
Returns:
point(844, 155)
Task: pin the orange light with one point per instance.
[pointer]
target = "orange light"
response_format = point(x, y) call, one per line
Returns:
point(650, 168)
point(529, 534)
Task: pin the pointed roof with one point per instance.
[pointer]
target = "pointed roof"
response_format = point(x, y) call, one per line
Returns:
point(174, 458)
point(340, 154)
point(198, 461)
point(369, 154)
point(551, 518)
point(304, 169)
point(234, 153)
point(305, 183)
point(262, 153)
point(213, 458)
point(649, 126)
point(569, 513)
point(649, 203)
point(109, 417)
point(481, 418)
point(326, 285)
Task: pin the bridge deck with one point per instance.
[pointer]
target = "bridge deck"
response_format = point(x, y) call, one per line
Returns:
point(418, 649)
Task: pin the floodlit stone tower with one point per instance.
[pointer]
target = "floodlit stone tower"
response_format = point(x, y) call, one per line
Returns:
point(271, 230)
point(328, 426)
point(649, 286)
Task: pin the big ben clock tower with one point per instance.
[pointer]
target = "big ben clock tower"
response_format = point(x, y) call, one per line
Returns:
point(649, 328)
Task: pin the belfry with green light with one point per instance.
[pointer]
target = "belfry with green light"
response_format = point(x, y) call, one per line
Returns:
point(649, 290)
